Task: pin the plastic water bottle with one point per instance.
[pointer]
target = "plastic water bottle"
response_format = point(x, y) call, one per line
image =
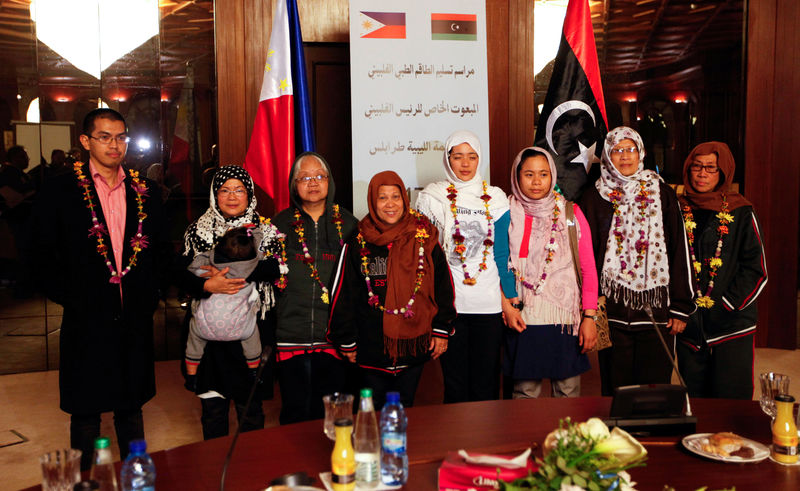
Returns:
point(103, 472)
point(394, 459)
point(138, 471)
point(367, 443)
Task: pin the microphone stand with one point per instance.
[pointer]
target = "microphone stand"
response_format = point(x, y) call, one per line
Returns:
point(266, 351)
point(649, 311)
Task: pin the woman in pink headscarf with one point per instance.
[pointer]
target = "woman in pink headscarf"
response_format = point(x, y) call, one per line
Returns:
point(554, 299)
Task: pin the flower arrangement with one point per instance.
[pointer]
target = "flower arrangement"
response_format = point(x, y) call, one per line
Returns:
point(458, 238)
point(584, 456)
point(704, 300)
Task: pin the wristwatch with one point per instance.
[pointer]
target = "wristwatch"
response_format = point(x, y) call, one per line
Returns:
point(593, 317)
point(518, 306)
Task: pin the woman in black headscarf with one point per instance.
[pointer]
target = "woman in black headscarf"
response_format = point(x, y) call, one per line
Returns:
point(222, 373)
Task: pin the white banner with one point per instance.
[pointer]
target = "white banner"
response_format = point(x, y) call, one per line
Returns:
point(417, 73)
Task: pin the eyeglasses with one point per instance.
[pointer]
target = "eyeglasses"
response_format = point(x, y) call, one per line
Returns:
point(622, 150)
point(308, 179)
point(106, 139)
point(238, 192)
point(709, 169)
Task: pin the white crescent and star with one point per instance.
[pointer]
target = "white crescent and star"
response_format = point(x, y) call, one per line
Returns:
point(455, 27)
point(586, 155)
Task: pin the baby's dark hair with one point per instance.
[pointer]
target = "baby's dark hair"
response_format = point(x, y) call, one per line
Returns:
point(237, 244)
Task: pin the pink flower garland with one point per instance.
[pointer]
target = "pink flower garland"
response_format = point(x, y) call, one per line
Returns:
point(138, 242)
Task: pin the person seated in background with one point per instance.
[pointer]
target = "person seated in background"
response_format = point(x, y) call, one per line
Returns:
point(393, 295)
point(715, 352)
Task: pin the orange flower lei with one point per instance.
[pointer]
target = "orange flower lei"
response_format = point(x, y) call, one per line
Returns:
point(373, 299)
point(458, 238)
point(704, 300)
point(308, 259)
point(138, 242)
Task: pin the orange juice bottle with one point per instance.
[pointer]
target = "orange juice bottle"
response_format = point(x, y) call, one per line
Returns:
point(784, 431)
point(343, 458)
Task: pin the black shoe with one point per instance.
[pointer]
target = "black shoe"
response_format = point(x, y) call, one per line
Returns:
point(191, 383)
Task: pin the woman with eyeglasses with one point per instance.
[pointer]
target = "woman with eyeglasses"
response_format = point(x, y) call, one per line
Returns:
point(641, 255)
point(392, 298)
point(223, 373)
point(316, 229)
point(715, 352)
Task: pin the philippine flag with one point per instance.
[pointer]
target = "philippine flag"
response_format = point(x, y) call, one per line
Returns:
point(272, 144)
point(384, 25)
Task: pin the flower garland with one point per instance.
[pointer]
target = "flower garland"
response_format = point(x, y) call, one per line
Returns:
point(373, 300)
point(642, 244)
point(458, 238)
point(138, 242)
point(714, 263)
point(308, 259)
point(550, 247)
point(281, 282)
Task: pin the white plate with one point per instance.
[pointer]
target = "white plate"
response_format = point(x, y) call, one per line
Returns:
point(694, 443)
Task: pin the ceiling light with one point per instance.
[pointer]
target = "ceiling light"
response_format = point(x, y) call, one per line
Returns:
point(103, 37)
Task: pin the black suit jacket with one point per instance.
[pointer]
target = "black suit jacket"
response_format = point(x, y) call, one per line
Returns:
point(106, 345)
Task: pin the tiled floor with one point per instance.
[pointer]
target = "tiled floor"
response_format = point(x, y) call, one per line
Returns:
point(29, 405)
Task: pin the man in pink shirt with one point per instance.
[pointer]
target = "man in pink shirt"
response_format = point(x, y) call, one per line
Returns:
point(101, 251)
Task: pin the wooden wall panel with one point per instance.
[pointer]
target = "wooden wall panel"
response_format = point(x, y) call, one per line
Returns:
point(772, 177)
point(232, 100)
point(324, 21)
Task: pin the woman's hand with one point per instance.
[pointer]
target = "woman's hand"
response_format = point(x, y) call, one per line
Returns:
point(511, 316)
point(438, 347)
point(351, 356)
point(587, 335)
point(676, 326)
point(218, 283)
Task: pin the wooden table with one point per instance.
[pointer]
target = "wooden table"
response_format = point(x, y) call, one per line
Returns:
point(489, 427)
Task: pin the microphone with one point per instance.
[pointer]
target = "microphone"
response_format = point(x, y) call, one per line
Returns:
point(649, 311)
point(265, 352)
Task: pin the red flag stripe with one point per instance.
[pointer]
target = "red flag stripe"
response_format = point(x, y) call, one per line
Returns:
point(580, 36)
point(472, 17)
point(271, 150)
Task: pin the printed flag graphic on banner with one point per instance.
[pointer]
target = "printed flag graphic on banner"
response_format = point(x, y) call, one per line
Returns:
point(573, 121)
point(454, 27)
point(272, 144)
point(383, 25)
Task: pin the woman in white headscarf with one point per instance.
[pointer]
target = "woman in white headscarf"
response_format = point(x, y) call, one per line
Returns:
point(642, 258)
point(466, 210)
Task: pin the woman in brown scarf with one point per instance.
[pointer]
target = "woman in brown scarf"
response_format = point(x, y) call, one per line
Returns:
point(715, 352)
point(392, 299)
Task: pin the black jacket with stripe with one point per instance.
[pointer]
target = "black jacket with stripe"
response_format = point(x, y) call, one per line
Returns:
point(740, 279)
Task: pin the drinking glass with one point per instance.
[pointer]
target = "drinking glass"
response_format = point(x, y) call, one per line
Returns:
point(772, 384)
point(337, 405)
point(61, 469)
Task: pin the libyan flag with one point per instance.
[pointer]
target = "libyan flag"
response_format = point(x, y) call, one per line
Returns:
point(454, 27)
point(573, 121)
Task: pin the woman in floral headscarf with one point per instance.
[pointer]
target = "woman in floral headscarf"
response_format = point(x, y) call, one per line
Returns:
point(715, 352)
point(222, 373)
point(642, 260)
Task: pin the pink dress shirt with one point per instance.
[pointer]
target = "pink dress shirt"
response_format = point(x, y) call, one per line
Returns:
point(114, 206)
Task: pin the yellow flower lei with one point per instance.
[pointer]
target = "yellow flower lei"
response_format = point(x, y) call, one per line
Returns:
point(714, 263)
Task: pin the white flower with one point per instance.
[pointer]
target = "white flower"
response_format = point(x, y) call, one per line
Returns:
point(625, 481)
point(594, 428)
point(551, 247)
point(569, 487)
